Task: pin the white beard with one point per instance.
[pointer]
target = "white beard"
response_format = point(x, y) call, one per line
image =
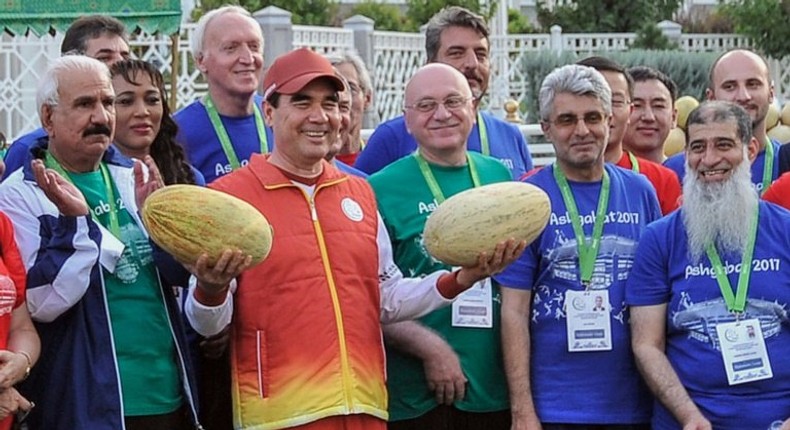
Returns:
point(718, 213)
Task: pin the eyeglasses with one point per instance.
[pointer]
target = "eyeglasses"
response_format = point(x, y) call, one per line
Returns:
point(570, 120)
point(430, 105)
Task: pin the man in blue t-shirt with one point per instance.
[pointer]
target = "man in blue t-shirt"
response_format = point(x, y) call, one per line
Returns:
point(457, 37)
point(98, 36)
point(709, 290)
point(565, 334)
point(742, 76)
point(224, 128)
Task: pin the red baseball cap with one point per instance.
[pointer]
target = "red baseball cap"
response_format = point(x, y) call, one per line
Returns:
point(293, 71)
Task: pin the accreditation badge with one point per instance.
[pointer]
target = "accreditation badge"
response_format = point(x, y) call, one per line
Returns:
point(474, 307)
point(588, 323)
point(743, 351)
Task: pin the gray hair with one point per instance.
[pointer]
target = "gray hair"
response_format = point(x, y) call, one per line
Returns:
point(48, 87)
point(577, 80)
point(722, 112)
point(199, 35)
point(452, 16)
point(350, 56)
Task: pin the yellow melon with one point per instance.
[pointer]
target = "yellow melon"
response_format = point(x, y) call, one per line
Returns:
point(684, 105)
point(780, 133)
point(187, 220)
point(477, 219)
point(675, 142)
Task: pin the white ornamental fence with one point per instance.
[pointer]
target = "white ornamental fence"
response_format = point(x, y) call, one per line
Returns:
point(392, 57)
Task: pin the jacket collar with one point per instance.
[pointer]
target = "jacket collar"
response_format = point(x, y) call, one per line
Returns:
point(111, 156)
point(271, 176)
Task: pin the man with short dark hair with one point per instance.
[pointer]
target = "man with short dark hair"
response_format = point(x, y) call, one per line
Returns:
point(653, 115)
point(567, 365)
point(620, 82)
point(702, 276)
point(743, 77)
point(457, 37)
point(97, 36)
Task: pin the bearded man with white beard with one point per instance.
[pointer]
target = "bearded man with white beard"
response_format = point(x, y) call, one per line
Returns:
point(709, 290)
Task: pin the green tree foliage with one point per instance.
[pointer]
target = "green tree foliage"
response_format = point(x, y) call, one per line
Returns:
point(689, 70)
point(420, 11)
point(387, 16)
point(305, 12)
point(650, 37)
point(764, 21)
point(517, 23)
point(600, 16)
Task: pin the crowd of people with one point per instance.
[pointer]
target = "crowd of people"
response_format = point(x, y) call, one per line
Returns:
point(656, 297)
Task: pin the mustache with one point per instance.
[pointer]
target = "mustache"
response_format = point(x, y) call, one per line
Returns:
point(97, 129)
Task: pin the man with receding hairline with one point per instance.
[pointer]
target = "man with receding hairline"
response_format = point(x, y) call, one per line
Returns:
point(743, 77)
point(458, 37)
point(98, 36)
point(702, 276)
point(224, 128)
point(92, 272)
point(445, 369)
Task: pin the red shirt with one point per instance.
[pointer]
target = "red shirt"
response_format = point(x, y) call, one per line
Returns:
point(664, 180)
point(12, 287)
point(779, 191)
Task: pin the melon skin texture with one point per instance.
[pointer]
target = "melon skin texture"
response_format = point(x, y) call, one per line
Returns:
point(188, 220)
point(477, 219)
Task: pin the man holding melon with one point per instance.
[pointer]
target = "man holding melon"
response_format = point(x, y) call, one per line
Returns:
point(444, 370)
point(709, 289)
point(567, 365)
point(306, 347)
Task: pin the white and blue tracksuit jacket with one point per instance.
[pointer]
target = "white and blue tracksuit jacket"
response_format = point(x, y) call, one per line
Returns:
point(76, 384)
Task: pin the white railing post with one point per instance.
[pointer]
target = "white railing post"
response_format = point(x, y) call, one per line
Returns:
point(671, 30)
point(556, 39)
point(277, 32)
point(362, 27)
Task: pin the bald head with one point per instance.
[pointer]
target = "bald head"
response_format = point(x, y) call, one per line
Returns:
point(439, 112)
point(743, 77)
point(431, 74)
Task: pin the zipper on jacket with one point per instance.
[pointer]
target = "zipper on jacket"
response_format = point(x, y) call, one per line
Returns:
point(341, 334)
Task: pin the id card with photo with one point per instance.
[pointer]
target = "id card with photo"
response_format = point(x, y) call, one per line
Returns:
point(588, 322)
point(743, 351)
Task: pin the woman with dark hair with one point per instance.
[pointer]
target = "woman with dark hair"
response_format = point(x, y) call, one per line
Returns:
point(143, 125)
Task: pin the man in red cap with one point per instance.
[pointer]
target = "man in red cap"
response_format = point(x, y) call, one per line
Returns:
point(306, 349)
